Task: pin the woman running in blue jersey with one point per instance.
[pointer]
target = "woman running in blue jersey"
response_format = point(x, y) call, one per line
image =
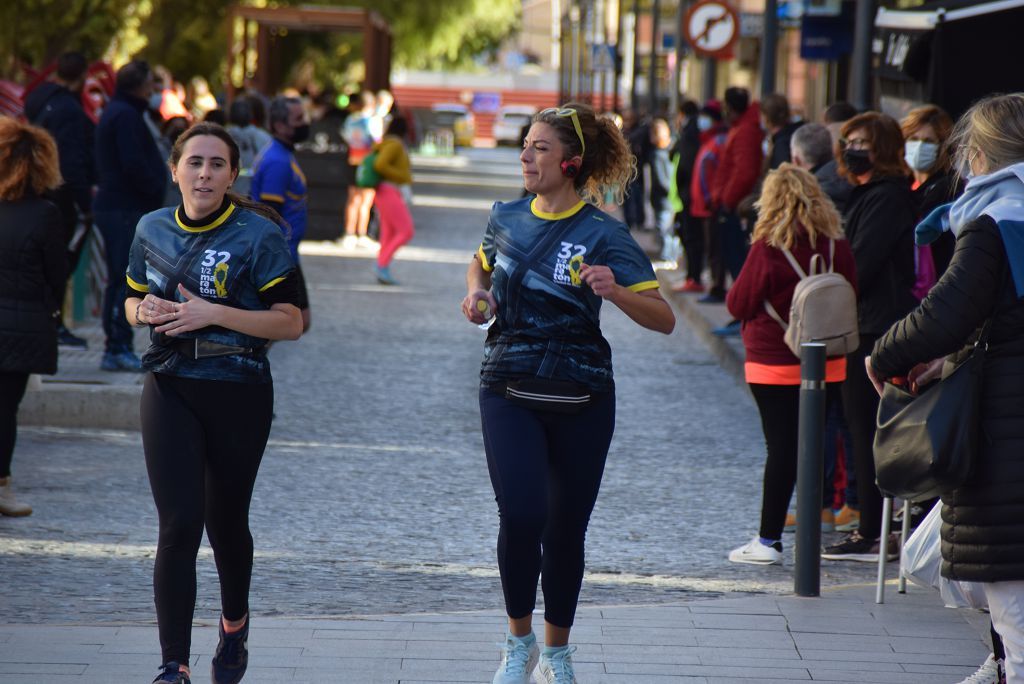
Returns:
point(214, 280)
point(547, 397)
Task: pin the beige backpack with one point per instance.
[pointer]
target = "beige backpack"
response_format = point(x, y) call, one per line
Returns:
point(824, 308)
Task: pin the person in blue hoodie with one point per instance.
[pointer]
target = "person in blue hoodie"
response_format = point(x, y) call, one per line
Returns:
point(132, 182)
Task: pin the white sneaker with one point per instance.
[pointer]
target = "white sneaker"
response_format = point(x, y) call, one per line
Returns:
point(756, 553)
point(988, 673)
point(8, 504)
point(348, 242)
point(557, 669)
point(517, 661)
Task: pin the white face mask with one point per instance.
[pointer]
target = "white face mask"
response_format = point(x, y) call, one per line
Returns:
point(765, 147)
point(705, 122)
point(921, 155)
point(156, 99)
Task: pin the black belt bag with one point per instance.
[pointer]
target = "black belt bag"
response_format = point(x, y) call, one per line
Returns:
point(542, 394)
point(196, 349)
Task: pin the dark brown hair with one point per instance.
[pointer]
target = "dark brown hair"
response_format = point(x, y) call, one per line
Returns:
point(886, 145)
point(608, 163)
point(218, 131)
point(28, 160)
point(938, 119)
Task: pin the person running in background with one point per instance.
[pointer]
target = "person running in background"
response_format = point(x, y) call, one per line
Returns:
point(132, 182)
point(33, 272)
point(279, 183)
point(358, 134)
point(57, 106)
point(396, 226)
point(547, 400)
point(215, 282)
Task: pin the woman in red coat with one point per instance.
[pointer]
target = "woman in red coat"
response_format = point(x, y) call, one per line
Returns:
point(794, 216)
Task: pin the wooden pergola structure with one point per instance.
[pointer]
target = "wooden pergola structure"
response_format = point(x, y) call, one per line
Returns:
point(261, 24)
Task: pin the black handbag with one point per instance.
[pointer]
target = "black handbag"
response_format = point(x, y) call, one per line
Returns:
point(926, 444)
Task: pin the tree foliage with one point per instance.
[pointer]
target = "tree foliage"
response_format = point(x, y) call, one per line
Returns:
point(190, 36)
point(34, 32)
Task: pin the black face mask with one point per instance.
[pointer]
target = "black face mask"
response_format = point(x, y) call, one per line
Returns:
point(858, 161)
point(300, 134)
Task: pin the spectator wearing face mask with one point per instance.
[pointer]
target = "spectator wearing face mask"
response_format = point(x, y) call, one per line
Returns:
point(926, 131)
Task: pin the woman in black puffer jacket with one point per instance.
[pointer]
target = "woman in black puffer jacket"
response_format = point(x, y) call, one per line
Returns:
point(983, 520)
point(33, 264)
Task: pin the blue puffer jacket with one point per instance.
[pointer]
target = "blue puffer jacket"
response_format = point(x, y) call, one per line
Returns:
point(132, 176)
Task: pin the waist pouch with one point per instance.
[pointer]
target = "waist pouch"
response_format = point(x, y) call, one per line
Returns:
point(196, 349)
point(542, 394)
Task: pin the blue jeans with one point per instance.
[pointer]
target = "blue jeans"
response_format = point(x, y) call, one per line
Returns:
point(118, 231)
point(836, 428)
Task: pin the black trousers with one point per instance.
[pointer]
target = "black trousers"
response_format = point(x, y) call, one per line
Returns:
point(204, 440)
point(691, 232)
point(860, 400)
point(12, 391)
point(779, 406)
point(546, 471)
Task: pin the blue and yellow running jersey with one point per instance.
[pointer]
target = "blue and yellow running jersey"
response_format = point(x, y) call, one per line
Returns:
point(235, 257)
point(548, 320)
point(276, 177)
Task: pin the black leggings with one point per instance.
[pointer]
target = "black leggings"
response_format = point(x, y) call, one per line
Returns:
point(546, 471)
point(779, 406)
point(12, 391)
point(860, 400)
point(204, 440)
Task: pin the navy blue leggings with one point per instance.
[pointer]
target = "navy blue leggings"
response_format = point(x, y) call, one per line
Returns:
point(546, 471)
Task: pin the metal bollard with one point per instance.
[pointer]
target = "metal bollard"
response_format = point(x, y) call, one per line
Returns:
point(810, 467)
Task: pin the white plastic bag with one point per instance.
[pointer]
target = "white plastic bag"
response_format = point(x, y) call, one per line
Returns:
point(922, 564)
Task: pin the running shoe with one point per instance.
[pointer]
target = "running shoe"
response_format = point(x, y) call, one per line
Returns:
point(730, 329)
point(990, 672)
point(756, 553)
point(828, 521)
point(384, 276)
point(557, 668)
point(712, 298)
point(854, 547)
point(518, 661)
point(847, 519)
point(171, 673)
point(232, 655)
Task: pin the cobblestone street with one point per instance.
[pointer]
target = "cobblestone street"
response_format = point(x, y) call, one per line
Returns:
point(373, 496)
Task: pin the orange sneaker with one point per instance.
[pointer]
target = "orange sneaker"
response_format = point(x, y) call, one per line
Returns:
point(688, 285)
point(847, 519)
point(828, 522)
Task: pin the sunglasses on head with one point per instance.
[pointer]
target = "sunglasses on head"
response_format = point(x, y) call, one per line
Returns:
point(571, 113)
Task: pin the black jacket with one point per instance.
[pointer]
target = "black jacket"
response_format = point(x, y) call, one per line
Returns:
point(132, 175)
point(687, 147)
point(60, 112)
point(33, 265)
point(780, 145)
point(940, 188)
point(983, 526)
point(879, 221)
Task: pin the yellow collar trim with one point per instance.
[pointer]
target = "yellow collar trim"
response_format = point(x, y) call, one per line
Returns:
point(554, 217)
point(209, 226)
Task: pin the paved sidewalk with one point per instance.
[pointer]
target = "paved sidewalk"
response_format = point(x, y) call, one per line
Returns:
point(842, 636)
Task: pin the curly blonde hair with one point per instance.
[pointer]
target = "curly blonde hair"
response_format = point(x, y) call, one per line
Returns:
point(792, 203)
point(608, 165)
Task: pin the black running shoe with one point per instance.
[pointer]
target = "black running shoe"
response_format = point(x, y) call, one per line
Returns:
point(171, 673)
point(854, 547)
point(232, 656)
